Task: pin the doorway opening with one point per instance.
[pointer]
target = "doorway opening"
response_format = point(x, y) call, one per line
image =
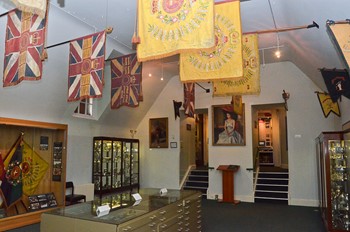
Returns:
point(270, 143)
point(193, 141)
point(270, 153)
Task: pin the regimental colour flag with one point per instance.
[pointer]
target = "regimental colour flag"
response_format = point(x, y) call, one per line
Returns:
point(126, 86)
point(11, 187)
point(86, 67)
point(224, 60)
point(24, 46)
point(327, 104)
point(167, 27)
point(33, 169)
point(189, 99)
point(337, 82)
point(339, 35)
point(250, 82)
point(34, 6)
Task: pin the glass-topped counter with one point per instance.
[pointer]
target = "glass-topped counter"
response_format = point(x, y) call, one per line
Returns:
point(122, 205)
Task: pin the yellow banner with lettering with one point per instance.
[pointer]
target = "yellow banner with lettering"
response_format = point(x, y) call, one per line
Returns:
point(223, 61)
point(167, 27)
point(250, 82)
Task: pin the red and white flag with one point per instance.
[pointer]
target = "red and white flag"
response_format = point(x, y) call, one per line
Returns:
point(86, 67)
point(189, 99)
point(24, 46)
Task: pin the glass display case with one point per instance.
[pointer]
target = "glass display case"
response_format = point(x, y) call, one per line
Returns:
point(115, 164)
point(333, 154)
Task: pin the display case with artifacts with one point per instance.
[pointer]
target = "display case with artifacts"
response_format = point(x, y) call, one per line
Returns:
point(333, 155)
point(115, 164)
point(30, 183)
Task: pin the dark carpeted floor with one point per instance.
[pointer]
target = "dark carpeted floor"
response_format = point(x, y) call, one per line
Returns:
point(259, 217)
point(249, 217)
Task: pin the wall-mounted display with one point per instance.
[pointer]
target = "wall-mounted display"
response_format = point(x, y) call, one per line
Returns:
point(27, 164)
point(228, 126)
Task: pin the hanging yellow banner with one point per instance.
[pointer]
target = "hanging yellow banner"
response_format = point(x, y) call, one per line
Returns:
point(167, 27)
point(250, 82)
point(327, 104)
point(223, 61)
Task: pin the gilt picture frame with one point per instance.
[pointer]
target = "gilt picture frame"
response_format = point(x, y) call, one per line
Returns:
point(158, 133)
point(228, 126)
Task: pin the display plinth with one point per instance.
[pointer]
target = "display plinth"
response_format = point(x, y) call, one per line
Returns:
point(228, 172)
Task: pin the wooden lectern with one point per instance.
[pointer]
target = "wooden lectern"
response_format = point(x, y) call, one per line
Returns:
point(228, 172)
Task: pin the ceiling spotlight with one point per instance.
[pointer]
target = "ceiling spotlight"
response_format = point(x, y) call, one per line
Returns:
point(150, 74)
point(278, 53)
point(161, 78)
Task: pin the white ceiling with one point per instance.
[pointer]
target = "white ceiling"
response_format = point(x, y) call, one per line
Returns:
point(309, 49)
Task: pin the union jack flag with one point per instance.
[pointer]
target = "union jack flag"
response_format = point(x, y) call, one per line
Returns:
point(189, 99)
point(126, 87)
point(24, 45)
point(86, 67)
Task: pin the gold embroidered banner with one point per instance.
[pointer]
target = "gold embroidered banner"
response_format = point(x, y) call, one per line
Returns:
point(167, 27)
point(339, 34)
point(224, 61)
point(327, 104)
point(250, 82)
point(32, 6)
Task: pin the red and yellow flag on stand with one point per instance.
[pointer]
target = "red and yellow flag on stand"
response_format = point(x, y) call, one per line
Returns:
point(166, 27)
point(224, 61)
point(327, 104)
point(250, 82)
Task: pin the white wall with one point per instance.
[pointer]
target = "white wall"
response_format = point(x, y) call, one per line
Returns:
point(159, 167)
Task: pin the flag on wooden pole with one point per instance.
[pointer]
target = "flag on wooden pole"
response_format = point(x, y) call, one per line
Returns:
point(250, 82)
point(126, 84)
point(189, 97)
point(224, 60)
point(86, 67)
point(24, 47)
point(167, 27)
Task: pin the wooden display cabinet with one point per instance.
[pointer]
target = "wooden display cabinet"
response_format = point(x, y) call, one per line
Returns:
point(333, 160)
point(33, 178)
point(115, 164)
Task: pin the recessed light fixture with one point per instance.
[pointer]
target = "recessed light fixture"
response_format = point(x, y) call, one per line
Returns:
point(161, 78)
point(150, 74)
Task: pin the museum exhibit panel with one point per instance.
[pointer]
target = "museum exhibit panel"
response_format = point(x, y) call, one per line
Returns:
point(115, 164)
point(175, 210)
point(333, 153)
point(32, 170)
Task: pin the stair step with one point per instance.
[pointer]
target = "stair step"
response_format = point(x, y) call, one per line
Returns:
point(273, 175)
point(270, 194)
point(273, 181)
point(203, 190)
point(278, 188)
point(199, 172)
point(198, 178)
point(203, 184)
point(271, 200)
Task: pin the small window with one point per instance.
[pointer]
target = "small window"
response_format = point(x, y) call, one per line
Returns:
point(84, 107)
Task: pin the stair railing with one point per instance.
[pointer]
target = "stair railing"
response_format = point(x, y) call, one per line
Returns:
point(256, 168)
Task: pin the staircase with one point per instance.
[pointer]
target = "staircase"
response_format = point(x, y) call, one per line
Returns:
point(198, 180)
point(272, 185)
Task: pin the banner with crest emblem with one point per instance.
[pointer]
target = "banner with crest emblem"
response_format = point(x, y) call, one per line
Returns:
point(34, 6)
point(126, 84)
point(167, 27)
point(86, 67)
point(11, 186)
point(327, 104)
point(250, 82)
point(34, 169)
point(24, 47)
point(224, 61)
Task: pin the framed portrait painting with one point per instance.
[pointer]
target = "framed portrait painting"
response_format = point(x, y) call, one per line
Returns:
point(158, 132)
point(228, 127)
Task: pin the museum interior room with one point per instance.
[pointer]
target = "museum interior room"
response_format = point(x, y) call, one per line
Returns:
point(149, 106)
